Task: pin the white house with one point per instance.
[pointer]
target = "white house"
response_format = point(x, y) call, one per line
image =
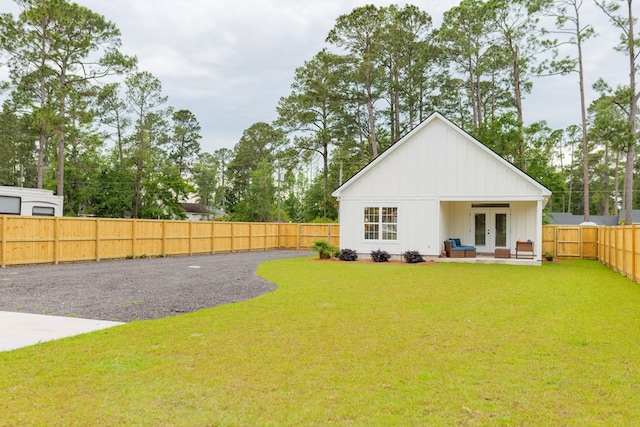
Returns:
point(436, 183)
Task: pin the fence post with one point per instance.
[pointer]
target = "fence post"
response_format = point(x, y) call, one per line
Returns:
point(279, 246)
point(133, 238)
point(213, 234)
point(233, 238)
point(56, 239)
point(633, 252)
point(97, 239)
point(163, 249)
point(3, 233)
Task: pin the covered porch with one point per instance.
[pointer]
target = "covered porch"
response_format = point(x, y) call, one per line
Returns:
point(501, 231)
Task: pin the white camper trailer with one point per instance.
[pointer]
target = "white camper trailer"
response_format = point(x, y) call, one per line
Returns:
point(29, 202)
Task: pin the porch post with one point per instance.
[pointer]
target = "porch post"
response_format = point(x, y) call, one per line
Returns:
point(538, 241)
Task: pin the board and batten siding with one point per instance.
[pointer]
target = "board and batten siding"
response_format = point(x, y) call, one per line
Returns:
point(440, 162)
point(435, 175)
point(411, 211)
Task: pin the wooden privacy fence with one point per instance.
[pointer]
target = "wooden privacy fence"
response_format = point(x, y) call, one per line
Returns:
point(618, 249)
point(565, 241)
point(44, 240)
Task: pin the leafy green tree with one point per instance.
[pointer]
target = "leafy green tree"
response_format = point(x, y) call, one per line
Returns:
point(259, 143)
point(145, 99)
point(116, 191)
point(206, 172)
point(404, 38)
point(467, 38)
point(163, 188)
point(628, 97)
point(17, 165)
point(608, 131)
point(258, 204)
point(518, 38)
point(222, 157)
point(111, 111)
point(185, 141)
point(575, 33)
point(313, 112)
point(358, 33)
point(59, 48)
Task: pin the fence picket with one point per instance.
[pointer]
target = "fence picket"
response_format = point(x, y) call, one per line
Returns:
point(43, 240)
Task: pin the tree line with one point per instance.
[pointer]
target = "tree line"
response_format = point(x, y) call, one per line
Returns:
point(80, 118)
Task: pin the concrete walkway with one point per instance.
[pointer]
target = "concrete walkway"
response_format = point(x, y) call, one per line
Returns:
point(21, 329)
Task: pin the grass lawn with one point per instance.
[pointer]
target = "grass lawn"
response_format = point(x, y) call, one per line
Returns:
point(357, 344)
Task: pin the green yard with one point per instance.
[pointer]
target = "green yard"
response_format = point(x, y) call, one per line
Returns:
point(357, 344)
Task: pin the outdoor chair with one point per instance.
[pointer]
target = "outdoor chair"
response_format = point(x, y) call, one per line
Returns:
point(455, 249)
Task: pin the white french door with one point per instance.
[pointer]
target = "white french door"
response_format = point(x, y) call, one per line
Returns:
point(490, 229)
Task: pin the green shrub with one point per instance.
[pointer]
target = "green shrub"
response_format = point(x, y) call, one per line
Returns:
point(380, 256)
point(324, 249)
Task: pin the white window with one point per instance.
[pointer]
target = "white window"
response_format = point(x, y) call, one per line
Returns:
point(381, 223)
point(43, 211)
point(10, 205)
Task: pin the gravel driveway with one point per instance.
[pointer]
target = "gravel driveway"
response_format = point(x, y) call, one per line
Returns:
point(127, 290)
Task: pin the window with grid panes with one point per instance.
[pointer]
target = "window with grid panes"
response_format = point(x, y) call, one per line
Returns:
point(371, 223)
point(389, 219)
point(380, 223)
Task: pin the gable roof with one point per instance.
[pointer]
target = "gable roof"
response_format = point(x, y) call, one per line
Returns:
point(462, 167)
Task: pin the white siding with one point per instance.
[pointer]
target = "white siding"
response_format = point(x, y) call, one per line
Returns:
point(417, 226)
point(434, 175)
point(439, 160)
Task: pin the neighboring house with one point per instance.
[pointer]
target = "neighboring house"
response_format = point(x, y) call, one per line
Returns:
point(564, 218)
point(196, 212)
point(435, 183)
point(199, 212)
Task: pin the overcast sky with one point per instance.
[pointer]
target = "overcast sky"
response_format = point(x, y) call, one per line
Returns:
point(230, 61)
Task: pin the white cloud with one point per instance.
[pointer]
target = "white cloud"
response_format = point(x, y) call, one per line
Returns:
point(229, 61)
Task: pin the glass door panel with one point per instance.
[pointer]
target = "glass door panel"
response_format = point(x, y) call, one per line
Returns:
point(501, 230)
point(480, 229)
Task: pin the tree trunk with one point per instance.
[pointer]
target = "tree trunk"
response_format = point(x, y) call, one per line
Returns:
point(633, 111)
point(372, 122)
point(583, 115)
